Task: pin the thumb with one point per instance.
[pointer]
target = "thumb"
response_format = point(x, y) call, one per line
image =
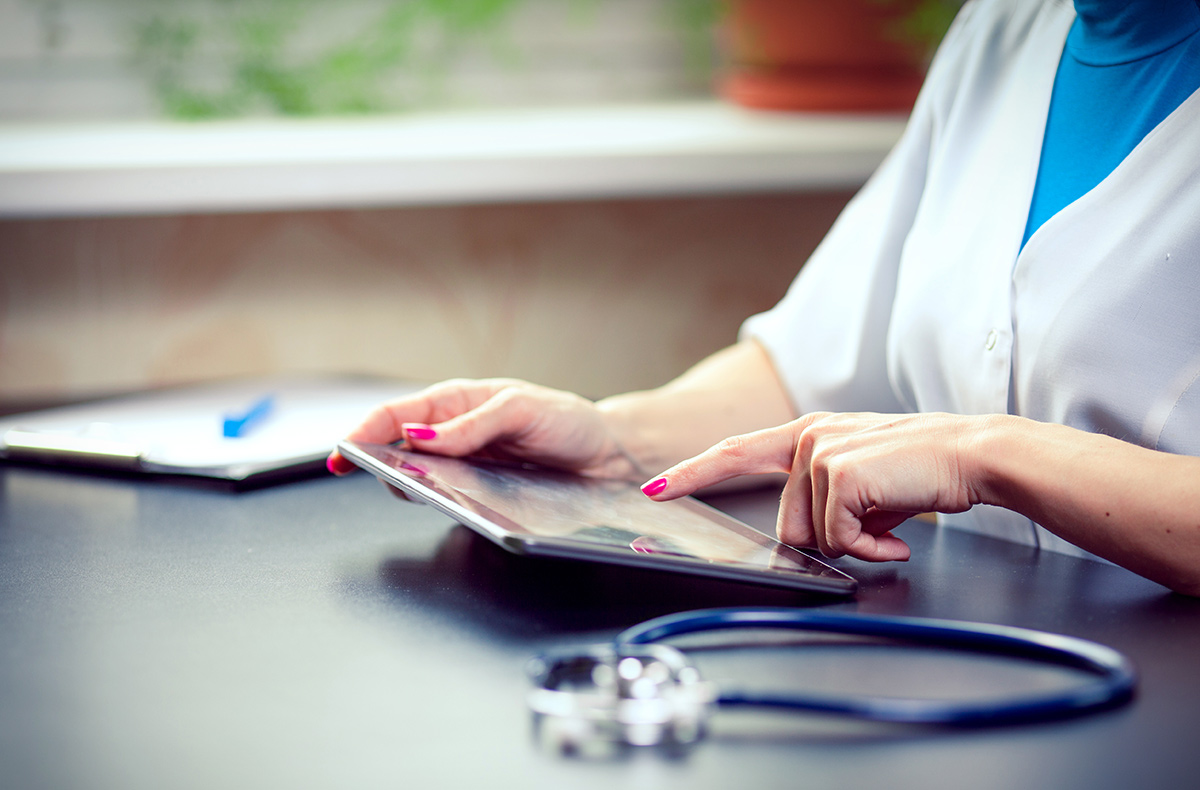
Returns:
point(762, 452)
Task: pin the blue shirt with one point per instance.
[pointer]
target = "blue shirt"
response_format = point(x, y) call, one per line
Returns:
point(1126, 66)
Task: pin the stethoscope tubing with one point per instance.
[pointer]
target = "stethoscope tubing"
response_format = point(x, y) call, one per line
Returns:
point(1113, 684)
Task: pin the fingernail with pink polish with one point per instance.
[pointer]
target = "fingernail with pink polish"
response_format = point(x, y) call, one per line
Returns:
point(420, 431)
point(655, 487)
point(338, 465)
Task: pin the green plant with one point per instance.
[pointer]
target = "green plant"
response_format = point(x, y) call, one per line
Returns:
point(218, 58)
point(926, 25)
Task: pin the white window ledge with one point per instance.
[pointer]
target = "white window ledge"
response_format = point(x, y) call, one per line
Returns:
point(467, 157)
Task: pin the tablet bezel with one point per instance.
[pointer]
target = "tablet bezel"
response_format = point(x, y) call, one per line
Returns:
point(384, 461)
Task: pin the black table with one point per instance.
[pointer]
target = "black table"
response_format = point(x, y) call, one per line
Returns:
point(324, 634)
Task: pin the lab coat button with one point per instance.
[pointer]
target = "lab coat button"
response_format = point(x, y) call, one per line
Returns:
point(990, 343)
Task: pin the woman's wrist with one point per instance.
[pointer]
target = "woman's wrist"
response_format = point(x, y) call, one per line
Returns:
point(998, 457)
point(629, 433)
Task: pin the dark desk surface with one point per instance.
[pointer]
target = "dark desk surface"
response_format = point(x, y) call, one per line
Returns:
point(324, 634)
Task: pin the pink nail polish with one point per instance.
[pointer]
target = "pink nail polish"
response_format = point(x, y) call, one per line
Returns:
point(655, 487)
point(337, 465)
point(419, 431)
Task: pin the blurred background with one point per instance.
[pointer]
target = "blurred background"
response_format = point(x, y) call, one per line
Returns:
point(198, 59)
point(149, 236)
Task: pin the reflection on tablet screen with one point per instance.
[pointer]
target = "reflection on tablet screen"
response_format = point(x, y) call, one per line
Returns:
point(606, 514)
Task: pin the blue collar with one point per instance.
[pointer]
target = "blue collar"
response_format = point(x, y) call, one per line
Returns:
point(1111, 32)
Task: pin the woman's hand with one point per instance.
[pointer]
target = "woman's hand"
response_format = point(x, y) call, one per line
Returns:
point(733, 391)
point(853, 477)
point(498, 418)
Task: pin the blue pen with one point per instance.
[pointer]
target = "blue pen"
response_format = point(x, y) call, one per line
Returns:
point(238, 425)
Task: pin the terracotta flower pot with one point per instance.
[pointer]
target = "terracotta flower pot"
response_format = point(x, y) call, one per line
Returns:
point(821, 55)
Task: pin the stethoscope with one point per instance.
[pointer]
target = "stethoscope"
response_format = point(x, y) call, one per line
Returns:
point(636, 691)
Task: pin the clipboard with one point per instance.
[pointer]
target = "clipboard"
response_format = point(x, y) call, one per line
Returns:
point(242, 432)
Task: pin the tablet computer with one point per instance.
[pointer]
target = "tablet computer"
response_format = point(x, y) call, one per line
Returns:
point(543, 512)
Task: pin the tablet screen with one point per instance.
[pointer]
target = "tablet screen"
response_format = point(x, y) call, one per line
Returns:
point(545, 512)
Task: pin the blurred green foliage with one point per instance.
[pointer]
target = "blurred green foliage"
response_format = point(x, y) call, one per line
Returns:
point(926, 25)
point(222, 58)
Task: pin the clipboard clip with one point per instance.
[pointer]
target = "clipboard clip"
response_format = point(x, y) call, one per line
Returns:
point(60, 448)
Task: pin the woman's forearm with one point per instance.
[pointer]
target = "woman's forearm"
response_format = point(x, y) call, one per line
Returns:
point(731, 392)
point(1137, 507)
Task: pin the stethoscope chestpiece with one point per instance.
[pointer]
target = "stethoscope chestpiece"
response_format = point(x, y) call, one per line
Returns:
point(597, 701)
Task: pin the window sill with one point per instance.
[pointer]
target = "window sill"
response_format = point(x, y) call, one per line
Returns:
point(577, 153)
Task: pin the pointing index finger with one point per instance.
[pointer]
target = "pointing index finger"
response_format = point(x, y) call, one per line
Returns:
point(761, 452)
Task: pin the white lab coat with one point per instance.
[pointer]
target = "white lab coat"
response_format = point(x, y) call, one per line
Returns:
point(921, 298)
